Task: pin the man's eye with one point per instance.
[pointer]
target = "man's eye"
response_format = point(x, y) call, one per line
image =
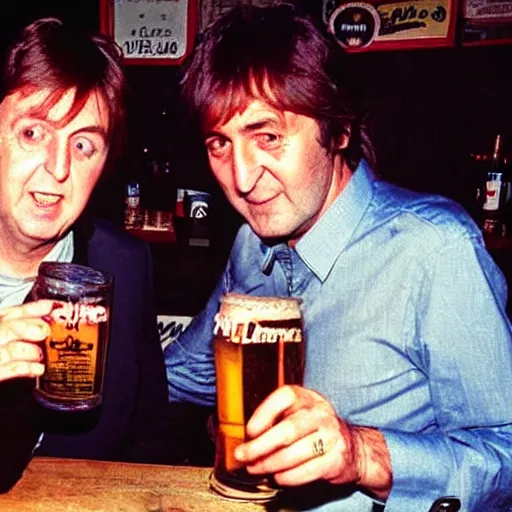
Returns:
point(33, 134)
point(85, 147)
point(216, 146)
point(269, 140)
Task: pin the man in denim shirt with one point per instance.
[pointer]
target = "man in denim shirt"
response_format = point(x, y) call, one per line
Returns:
point(408, 346)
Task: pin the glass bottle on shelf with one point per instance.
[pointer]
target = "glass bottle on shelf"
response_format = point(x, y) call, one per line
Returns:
point(133, 218)
point(506, 196)
point(158, 189)
point(495, 193)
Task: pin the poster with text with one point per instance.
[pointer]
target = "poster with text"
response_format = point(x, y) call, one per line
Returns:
point(151, 31)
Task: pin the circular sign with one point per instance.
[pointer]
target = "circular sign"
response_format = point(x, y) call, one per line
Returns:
point(354, 25)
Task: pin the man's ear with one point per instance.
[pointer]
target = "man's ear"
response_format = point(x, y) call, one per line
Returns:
point(343, 139)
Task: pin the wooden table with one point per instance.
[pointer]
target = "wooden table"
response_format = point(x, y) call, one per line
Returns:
point(66, 485)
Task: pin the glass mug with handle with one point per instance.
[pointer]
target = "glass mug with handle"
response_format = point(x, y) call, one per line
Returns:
point(76, 349)
point(259, 346)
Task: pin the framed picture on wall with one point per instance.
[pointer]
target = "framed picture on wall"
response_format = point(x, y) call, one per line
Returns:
point(486, 22)
point(391, 24)
point(151, 32)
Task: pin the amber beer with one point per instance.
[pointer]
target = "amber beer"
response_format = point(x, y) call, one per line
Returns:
point(258, 347)
point(75, 351)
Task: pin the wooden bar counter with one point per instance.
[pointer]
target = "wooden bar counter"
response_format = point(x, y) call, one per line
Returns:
point(67, 485)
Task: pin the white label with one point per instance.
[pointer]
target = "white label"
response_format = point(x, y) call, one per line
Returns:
point(492, 195)
point(252, 332)
point(72, 313)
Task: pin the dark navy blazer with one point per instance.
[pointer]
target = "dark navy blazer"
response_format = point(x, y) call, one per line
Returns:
point(132, 423)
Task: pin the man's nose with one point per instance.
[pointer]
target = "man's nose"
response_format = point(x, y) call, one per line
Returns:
point(57, 159)
point(246, 168)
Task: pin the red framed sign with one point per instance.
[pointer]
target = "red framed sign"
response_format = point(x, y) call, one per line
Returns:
point(391, 25)
point(486, 22)
point(151, 32)
point(497, 11)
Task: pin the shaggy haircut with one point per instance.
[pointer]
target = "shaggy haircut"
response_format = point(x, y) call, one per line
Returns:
point(48, 55)
point(277, 55)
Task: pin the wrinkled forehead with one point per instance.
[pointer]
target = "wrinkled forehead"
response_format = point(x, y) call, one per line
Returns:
point(234, 97)
point(60, 106)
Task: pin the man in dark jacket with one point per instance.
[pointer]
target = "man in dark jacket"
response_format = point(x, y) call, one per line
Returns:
point(61, 118)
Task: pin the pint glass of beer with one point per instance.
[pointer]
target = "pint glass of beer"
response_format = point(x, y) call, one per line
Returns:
point(75, 351)
point(259, 346)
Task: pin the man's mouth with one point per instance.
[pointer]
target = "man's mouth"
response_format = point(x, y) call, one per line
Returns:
point(46, 199)
point(260, 201)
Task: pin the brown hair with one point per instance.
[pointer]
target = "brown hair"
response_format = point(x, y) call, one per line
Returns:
point(51, 55)
point(278, 55)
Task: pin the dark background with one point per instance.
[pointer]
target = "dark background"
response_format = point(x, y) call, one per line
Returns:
point(430, 109)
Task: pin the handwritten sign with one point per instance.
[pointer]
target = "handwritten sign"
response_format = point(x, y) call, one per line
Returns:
point(411, 20)
point(151, 31)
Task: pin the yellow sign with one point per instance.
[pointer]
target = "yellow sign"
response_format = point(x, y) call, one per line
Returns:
point(413, 20)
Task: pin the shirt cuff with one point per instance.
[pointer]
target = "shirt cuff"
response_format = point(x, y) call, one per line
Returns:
point(419, 474)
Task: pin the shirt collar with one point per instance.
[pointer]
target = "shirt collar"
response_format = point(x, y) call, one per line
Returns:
point(320, 247)
point(13, 290)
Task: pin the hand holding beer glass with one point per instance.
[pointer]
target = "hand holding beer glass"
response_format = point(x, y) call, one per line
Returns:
point(22, 329)
point(259, 346)
point(75, 351)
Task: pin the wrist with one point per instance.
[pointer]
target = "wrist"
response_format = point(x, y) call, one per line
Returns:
point(373, 462)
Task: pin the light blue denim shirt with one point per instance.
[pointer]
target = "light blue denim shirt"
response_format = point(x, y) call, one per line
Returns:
point(406, 331)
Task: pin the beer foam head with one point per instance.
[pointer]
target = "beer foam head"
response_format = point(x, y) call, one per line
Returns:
point(249, 307)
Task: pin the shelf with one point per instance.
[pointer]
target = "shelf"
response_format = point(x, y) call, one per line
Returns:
point(498, 243)
point(155, 236)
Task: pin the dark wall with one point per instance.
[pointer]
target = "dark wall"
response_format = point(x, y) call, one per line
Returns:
point(430, 109)
point(13, 15)
point(433, 108)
